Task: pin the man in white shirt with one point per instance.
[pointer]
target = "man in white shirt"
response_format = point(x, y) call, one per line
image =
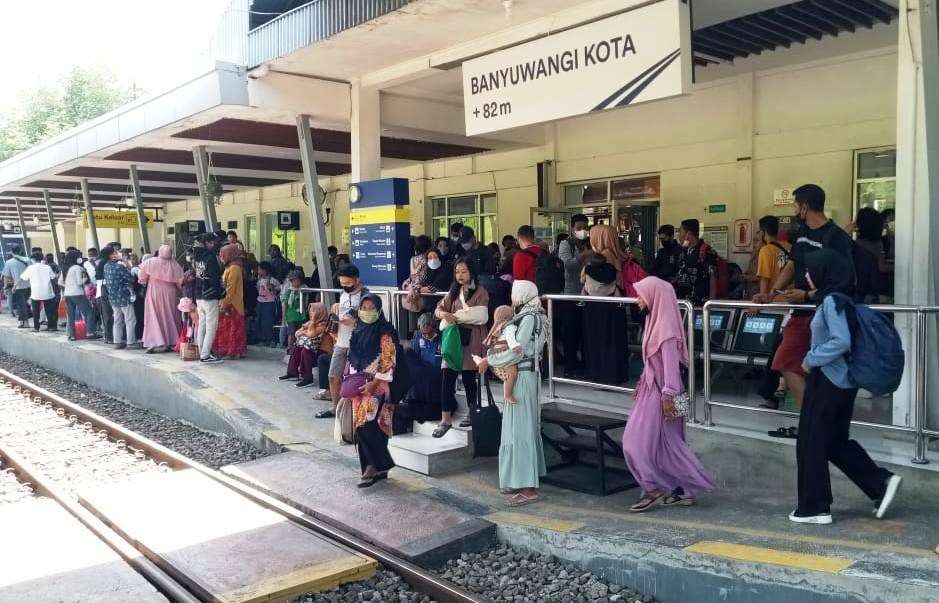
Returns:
point(41, 294)
point(349, 300)
point(90, 264)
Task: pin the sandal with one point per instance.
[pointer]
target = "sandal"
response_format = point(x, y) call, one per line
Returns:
point(467, 422)
point(677, 500)
point(325, 414)
point(647, 502)
point(785, 432)
point(520, 500)
point(442, 430)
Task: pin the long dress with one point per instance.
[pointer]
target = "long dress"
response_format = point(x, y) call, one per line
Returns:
point(521, 452)
point(231, 339)
point(655, 447)
point(162, 278)
point(373, 416)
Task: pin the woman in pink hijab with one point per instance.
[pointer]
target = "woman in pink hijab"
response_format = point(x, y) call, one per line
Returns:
point(163, 276)
point(654, 441)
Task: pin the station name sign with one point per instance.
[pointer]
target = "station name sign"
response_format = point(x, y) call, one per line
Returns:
point(637, 56)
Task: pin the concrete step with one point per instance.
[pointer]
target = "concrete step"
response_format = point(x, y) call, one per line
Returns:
point(429, 455)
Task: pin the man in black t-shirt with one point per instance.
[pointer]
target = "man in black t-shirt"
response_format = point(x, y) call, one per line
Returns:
point(696, 279)
point(815, 231)
point(665, 265)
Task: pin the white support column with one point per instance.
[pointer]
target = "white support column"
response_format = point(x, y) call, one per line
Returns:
point(19, 215)
point(917, 110)
point(90, 213)
point(142, 225)
point(366, 133)
point(315, 198)
point(52, 227)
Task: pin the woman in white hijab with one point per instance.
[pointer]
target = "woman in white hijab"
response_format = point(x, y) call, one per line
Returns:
point(521, 456)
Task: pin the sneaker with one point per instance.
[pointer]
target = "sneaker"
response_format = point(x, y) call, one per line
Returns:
point(211, 359)
point(304, 383)
point(893, 486)
point(22, 325)
point(93, 336)
point(819, 519)
point(323, 394)
point(120, 346)
point(288, 377)
point(135, 346)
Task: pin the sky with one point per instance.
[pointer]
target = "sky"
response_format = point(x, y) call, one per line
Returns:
point(154, 44)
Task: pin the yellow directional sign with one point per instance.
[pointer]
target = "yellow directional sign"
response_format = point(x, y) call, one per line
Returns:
point(117, 219)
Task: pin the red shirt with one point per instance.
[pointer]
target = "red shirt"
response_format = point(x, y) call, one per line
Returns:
point(523, 263)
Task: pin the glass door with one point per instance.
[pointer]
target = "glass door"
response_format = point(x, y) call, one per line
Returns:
point(637, 226)
point(252, 244)
point(548, 223)
point(285, 239)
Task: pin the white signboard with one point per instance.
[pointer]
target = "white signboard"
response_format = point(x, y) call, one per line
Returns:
point(717, 237)
point(636, 56)
point(783, 195)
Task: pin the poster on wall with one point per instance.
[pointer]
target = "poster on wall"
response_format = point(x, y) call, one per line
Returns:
point(718, 238)
point(634, 57)
point(782, 195)
point(743, 237)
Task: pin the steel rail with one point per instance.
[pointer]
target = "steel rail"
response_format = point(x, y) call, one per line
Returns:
point(420, 579)
point(141, 564)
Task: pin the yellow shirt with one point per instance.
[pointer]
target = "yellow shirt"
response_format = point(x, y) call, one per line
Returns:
point(771, 261)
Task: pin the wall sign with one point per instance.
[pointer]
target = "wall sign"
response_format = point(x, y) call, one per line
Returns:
point(717, 209)
point(117, 219)
point(640, 55)
point(380, 232)
point(718, 238)
point(783, 195)
point(743, 237)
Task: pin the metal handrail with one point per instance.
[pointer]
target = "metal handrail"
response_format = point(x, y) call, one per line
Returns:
point(396, 312)
point(552, 379)
point(388, 295)
point(918, 355)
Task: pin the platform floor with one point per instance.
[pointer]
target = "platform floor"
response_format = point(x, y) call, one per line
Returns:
point(47, 555)
point(735, 545)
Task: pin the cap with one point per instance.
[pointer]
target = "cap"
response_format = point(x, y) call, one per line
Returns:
point(466, 234)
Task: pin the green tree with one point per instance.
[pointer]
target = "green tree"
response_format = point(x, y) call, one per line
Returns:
point(82, 94)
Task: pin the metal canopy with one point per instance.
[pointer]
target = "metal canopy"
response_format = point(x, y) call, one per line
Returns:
point(785, 25)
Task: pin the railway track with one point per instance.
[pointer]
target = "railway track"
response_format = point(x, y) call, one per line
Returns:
point(43, 436)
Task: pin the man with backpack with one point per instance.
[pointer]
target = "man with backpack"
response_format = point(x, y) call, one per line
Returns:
point(814, 231)
point(697, 278)
point(19, 287)
point(773, 254)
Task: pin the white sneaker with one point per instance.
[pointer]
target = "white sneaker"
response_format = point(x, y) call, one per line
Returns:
point(893, 486)
point(820, 519)
point(323, 394)
point(864, 394)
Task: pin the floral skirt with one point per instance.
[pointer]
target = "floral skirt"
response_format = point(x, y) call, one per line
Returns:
point(231, 339)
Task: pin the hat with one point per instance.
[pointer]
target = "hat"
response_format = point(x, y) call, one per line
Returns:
point(294, 274)
point(466, 234)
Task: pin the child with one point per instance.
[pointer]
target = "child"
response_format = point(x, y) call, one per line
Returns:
point(504, 351)
point(293, 315)
point(266, 310)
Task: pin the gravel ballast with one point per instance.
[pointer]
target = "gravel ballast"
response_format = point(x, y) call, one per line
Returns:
point(212, 449)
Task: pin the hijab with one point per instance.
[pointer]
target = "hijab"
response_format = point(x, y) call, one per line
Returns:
point(604, 241)
point(831, 274)
point(525, 297)
point(365, 345)
point(163, 267)
point(232, 254)
point(663, 322)
point(318, 313)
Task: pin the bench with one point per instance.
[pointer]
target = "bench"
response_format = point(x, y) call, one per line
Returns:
point(585, 433)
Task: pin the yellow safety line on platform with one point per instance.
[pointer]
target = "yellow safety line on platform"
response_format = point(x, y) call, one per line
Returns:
point(315, 578)
point(758, 554)
point(659, 520)
point(379, 215)
point(535, 521)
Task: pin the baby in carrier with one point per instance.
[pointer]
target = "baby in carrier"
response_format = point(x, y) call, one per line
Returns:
point(504, 351)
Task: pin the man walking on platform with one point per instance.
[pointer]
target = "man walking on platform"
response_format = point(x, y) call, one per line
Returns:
point(209, 292)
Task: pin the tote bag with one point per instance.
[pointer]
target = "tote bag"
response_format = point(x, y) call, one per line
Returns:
point(451, 347)
point(487, 426)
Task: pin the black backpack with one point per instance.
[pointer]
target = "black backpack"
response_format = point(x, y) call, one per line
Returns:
point(866, 269)
point(549, 272)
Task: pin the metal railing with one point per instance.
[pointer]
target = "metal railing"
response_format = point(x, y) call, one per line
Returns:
point(622, 301)
point(329, 292)
point(398, 311)
point(918, 355)
point(311, 23)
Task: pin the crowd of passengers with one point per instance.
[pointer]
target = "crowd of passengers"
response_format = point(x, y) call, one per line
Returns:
point(474, 309)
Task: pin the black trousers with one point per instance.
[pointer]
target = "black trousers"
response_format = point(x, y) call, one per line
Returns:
point(571, 330)
point(105, 314)
point(52, 312)
point(448, 389)
point(21, 303)
point(824, 424)
point(372, 444)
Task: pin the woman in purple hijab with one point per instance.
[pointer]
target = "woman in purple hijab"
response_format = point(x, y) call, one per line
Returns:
point(654, 440)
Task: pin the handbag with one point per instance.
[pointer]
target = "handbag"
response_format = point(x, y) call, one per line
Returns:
point(451, 347)
point(188, 351)
point(487, 426)
point(680, 408)
point(342, 426)
point(352, 385)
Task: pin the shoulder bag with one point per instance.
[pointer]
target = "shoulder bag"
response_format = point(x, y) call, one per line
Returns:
point(487, 426)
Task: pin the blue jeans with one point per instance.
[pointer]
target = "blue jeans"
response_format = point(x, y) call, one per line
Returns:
point(264, 314)
point(75, 304)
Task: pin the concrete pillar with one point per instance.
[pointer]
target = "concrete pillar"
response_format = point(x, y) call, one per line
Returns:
point(366, 133)
point(917, 115)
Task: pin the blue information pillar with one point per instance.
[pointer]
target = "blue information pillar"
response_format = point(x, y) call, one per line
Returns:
point(380, 231)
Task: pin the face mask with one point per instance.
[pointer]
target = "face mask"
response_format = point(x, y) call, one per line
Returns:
point(368, 316)
point(455, 239)
point(349, 289)
point(467, 246)
point(580, 235)
point(433, 264)
point(443, 249)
